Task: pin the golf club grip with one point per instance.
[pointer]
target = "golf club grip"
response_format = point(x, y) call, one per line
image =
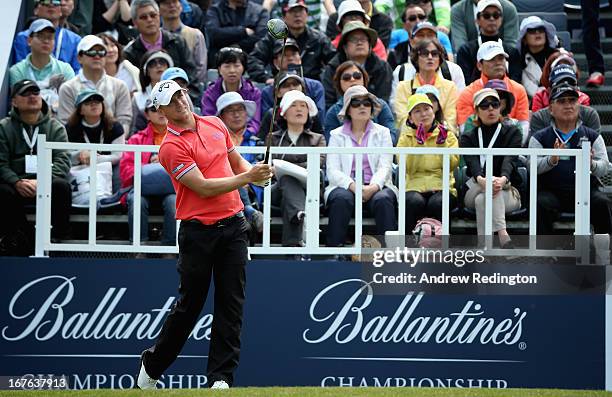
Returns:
point(275, 88)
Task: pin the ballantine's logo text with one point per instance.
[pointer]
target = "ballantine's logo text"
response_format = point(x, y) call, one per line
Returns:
point(50, 318)
point(345, 320)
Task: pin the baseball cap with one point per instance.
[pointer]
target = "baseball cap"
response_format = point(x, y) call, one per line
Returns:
point(278, 45)
point(174, 73)
point(233, 98)
point(87, 94)
point(482, 4)
point(294, 96)
point(158, 55)
point(163, 91)
point(502, 90)
point(418, 99)
point(90, 41)
point(22, 86)
point(48, 2)
point(480, 96)
point(348, 6)
point(429, 89)
point(290, 74)
point(358, 25)
point(563, 90)
point(422, 26)
point(149, 105)
point(355, 92)
point(489, 50)
point(287, 5)
point(561, 73)
point(39, 25)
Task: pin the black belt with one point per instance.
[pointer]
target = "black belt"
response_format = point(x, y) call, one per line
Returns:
point(220, 223)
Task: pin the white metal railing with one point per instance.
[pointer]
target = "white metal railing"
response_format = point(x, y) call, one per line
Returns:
point(43, 218)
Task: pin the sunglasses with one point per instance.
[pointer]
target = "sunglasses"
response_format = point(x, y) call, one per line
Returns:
point(95, 53)
point(157, 62)
point(489, 104)
point(354, 76)
point(151, 109)
point(420, 17)
point(30, 92)
point(355, 103)
point(536, 30)
point(495, 15)
point(427, 53)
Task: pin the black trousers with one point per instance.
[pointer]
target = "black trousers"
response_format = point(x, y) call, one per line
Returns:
point(551, 204)
point(424, 205)
point(290, 195)
point(341, 208)
point(590, 35)
point(13, 208)
point(205, 253)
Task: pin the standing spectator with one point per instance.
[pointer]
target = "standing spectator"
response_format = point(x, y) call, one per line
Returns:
point(113, 16)
point(489, 20)
point(538, 41)
point(350, 74)
point(92, 52)
point(48, 72)
point(592, 42)
point(556, 174)
point(565, 70)
point(170, 12)
point(67, 6)
point(154, 63)
point(438, 14)
point(490, 132)
point(66, 41)
point(463, 19)
point(356, 45)
point(316, 49)
point(117, 66)
point(240, 23)
point(231, 63)
point(19, 131)
point(424, 172)
point(381, 23)
point(378, 193)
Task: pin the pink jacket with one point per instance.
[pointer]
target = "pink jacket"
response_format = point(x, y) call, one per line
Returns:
point(126, 165)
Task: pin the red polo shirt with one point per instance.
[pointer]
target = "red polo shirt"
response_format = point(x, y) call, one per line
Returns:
point(206, 148)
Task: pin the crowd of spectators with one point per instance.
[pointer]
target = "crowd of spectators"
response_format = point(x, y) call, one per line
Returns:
point(354, 73)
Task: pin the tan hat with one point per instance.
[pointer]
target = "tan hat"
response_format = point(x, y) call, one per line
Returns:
point(358, 25)
point(480, 96)
point(355, 92)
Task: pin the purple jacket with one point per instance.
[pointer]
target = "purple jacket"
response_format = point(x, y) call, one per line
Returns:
point(248, 92)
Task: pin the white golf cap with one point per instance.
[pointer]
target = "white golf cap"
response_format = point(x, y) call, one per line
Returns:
point(162, 93)
point(40, 25)
point(350, 6)
point(294, 96)
point(489, 50)
point(90, 41)
point(234, 98)
point(482, 4)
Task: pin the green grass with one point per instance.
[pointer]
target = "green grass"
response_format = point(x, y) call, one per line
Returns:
point(324, 392)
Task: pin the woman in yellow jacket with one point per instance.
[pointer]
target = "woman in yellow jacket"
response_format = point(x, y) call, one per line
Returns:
point(427, 56)
point(424, 171)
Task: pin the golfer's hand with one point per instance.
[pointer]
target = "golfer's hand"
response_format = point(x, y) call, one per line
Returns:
point(260, 173)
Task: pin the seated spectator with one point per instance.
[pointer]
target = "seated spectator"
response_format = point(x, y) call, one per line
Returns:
point(492, 65)
point(170, 12)
point(287, 81)
point(240, 23)
point(288, 192)
point(380, 22)
point(231, 63)
point(356, 45)
point(19, 131)
point(490, 132)
point(464, 14)
point(556, 174)
point(92, 53)
point(66, 41)
point(235, 112)
point(350, 10)
point(440, 16)
point(400, 38)
point(424, 172)
point(117, 66)
point(538, 41)
point(292, 63)
point(145, 16)
point(434, 96)
point(48, 72)
point(350, 74)
point(542, 119)
point(156, 186)
point(378, 193)
point(152, 65)
point(67, 7)
point(565, 71)
point(489, 20)
point(113, 17)
point(427, 57)
point(310, 41)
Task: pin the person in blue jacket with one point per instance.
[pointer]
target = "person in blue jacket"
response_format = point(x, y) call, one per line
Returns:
point(347, 75)
point(66, 41)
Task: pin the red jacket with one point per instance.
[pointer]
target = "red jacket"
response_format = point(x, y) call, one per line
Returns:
point(126, 165)
point(541, 99)
point(379, 48)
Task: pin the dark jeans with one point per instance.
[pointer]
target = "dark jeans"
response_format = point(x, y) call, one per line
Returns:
point(551, 204)
point(205, 253)
point(424, 205)
point(13, 208)
point(290, 195)
point(590, 35)
point(341, 208)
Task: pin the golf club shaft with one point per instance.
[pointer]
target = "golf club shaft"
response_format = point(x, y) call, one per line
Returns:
point(274, 90)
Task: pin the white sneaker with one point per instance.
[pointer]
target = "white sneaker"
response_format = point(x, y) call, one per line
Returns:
point(145, 382)
point(220, 384)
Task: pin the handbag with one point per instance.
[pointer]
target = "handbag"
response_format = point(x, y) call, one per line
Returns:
point(80, 183)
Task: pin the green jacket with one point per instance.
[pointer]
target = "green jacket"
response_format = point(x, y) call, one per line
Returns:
point(13, 147)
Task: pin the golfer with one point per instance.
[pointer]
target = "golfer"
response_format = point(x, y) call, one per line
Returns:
point(206, 172)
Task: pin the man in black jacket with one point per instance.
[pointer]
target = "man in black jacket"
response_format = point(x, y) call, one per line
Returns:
point(381, 23)
point(235, 22)
point(316, 49)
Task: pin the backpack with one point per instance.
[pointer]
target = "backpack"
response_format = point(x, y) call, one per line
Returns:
point(428, 233)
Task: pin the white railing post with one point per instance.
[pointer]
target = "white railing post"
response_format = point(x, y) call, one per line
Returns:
point(533, 201)
point(43, 194)
point(137, 199)
point(401, 173)
point(489, 202)
point(445, 194)
point(313, 192)
point(93, 190)
point(583, 189)
point(358, 158)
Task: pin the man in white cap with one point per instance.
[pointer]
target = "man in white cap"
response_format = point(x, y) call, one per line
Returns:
point(489, 19)
point(206, 172)
point(92, 51)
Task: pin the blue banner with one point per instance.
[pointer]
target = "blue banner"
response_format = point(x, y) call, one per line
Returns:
point(306, 323)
